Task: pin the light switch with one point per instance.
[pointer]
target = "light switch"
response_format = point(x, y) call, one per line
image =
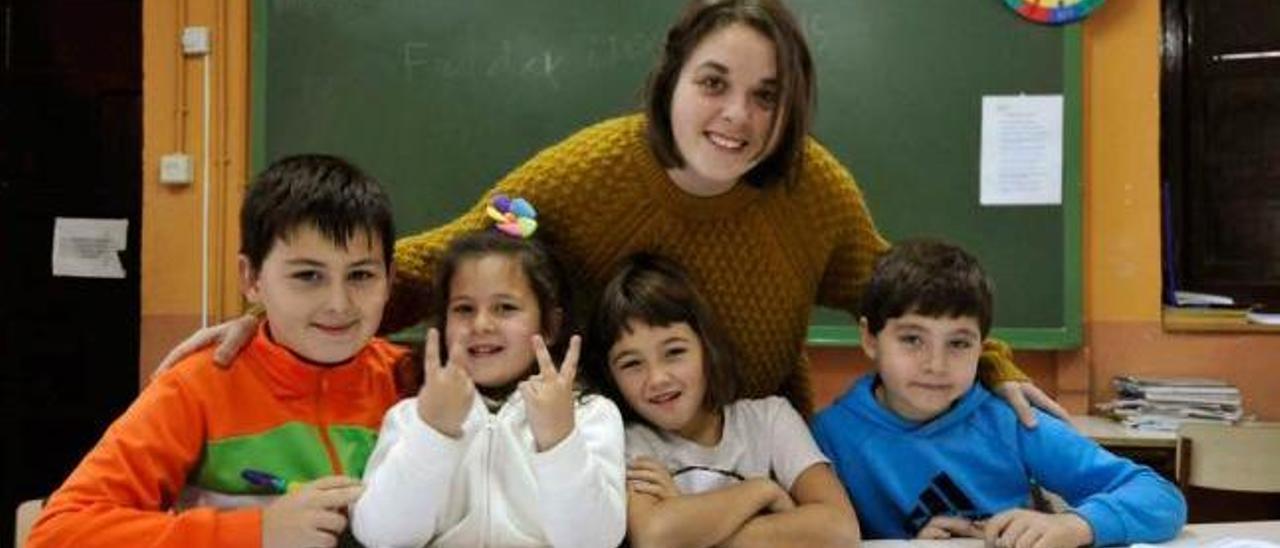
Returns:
point(195, 40)
point(175, 169)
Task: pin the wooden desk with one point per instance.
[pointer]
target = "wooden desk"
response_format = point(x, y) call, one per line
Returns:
point(1192, 535)
point(1212, 320)
point(1198, 534)
point(1111, 434)
point(1159, 450)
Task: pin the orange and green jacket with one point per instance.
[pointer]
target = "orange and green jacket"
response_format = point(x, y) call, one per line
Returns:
point(168, 471)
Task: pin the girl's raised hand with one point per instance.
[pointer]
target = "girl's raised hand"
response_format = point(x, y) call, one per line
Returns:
point(548, 395)
point(447, 392)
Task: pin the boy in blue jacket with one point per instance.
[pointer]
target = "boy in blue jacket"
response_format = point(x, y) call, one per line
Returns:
point(926, 452)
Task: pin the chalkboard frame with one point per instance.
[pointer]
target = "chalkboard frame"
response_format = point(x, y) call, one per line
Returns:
point(1066, 336)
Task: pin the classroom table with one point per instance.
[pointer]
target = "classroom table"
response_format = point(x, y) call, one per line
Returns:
point(1198, 534)
point(1155, 449)
point(1111, 434)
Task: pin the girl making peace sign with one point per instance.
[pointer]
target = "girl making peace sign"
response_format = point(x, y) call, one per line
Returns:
point(497, 449)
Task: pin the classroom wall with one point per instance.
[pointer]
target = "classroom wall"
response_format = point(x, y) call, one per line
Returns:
point(1122, 327)
point(173, 121)
point(1122, 225)
point(1121, 212)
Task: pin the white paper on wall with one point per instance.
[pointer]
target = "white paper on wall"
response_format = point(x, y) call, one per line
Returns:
point(89, 248)
point(1021, 150)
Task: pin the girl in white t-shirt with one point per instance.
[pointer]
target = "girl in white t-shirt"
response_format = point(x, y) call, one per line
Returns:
point(704, 469)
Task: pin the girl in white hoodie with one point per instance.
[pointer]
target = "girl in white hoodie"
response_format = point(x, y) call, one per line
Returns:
point(499, 448)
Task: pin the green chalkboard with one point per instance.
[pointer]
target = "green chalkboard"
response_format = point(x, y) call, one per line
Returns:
point(440, 98)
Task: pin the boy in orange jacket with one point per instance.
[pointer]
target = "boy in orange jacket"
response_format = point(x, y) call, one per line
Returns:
point(267, 452)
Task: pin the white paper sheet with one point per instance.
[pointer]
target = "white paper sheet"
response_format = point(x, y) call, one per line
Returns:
point(1225, 542)
point(1021, 150)
point(89, 248)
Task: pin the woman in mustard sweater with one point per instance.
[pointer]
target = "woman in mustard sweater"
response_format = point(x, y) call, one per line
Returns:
point(718, 173)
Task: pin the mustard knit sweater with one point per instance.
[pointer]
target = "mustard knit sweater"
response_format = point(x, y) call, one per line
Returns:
point(761, 257)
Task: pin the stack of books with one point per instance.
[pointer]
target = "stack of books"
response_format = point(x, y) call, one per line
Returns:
point(1264, 316)
point(1164, 403)
point(1206, 312)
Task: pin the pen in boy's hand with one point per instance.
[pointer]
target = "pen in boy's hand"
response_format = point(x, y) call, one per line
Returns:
point(269, 480)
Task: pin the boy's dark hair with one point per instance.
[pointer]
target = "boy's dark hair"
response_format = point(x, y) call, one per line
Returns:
point(325, 192)
point(653, 290)
point(797, 83)
point(540, 267)
point(929, 278)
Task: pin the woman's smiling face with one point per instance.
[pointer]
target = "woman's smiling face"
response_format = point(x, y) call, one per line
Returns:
point(723, 108)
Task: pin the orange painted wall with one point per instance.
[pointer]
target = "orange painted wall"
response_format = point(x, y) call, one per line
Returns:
point(173, 113)
point(1122, 225)
point(1121, 211)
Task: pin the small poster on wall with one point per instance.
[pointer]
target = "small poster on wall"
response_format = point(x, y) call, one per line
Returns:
point(89, 248)
point(1021, 160)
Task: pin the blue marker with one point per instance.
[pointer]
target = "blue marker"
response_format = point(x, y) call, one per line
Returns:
point(269, 481)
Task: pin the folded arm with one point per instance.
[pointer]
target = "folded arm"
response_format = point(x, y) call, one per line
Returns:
point(704, 519)
point(823, 516)
point(1121, 501)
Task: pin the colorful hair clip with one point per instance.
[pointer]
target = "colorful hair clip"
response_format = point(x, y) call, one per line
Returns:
point(515, 217)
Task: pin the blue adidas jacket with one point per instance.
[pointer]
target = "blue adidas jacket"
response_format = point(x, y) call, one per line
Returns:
point(976, 460)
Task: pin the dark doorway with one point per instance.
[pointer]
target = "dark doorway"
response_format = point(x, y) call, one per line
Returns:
point(70, 146)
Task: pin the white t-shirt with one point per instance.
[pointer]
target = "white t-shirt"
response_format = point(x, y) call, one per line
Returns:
point(761, 438)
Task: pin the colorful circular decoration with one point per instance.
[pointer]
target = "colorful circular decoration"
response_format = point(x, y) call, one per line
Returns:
point(1053, 12)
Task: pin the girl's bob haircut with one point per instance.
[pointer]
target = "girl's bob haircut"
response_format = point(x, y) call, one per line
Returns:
point(652, 290)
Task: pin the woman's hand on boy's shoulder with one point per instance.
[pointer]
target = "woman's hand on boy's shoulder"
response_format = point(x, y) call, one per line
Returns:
point(548, 394)
point(1024, 397)
point(447, 392)
point(232, 336)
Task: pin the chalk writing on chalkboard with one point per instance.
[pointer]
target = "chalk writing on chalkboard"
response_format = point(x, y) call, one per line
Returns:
point(425, 61)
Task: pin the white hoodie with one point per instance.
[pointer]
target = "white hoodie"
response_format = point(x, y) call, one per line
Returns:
point(491, 487)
